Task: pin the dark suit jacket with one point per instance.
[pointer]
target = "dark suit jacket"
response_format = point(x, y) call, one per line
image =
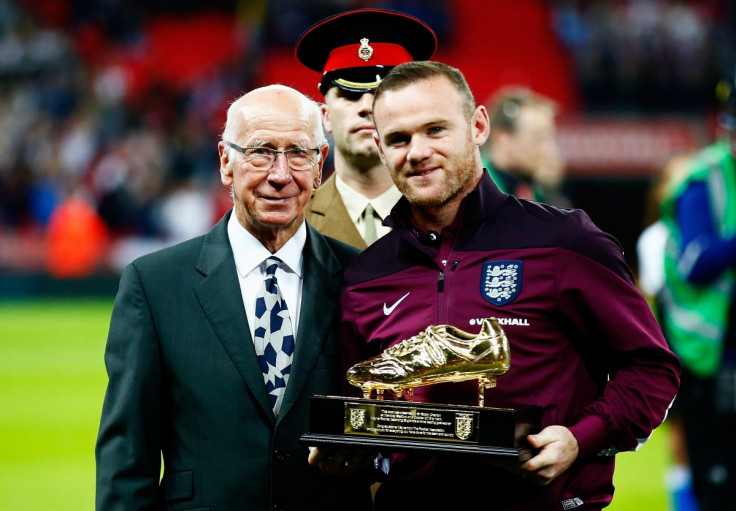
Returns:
point(327, 213)
point(184, 381)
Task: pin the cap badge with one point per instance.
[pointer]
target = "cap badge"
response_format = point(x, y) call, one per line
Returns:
point(365, 51)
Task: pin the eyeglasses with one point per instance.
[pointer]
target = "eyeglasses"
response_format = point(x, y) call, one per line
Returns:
point(263, 158)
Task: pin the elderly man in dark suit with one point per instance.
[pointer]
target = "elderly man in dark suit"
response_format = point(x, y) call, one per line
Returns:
point(216, 344)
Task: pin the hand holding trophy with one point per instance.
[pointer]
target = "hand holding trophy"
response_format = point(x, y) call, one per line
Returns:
point(439, 354)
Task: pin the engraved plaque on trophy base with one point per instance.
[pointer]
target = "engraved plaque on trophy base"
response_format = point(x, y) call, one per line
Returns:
point(406, 426)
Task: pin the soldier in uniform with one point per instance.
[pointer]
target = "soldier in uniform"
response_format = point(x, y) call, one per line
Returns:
point(353, 51)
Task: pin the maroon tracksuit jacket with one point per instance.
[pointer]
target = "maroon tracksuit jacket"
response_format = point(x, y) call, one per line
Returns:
point(584, 343)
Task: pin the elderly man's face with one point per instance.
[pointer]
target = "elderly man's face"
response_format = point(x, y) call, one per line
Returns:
point(273, 199)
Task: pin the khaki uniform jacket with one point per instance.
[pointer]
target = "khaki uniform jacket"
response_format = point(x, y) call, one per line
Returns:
point(327, 213)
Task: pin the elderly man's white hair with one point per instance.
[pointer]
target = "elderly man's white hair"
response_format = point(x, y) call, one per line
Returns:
point(310, 110)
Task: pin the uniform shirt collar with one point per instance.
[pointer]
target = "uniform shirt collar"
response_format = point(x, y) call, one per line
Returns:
point(355, 202)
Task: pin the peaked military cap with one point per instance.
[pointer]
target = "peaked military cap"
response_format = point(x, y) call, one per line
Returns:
point(354, 50)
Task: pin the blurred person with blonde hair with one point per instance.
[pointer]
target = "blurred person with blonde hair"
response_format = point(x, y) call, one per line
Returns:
point(522, 153)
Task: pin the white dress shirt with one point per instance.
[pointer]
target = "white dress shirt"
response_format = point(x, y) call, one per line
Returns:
point(249, 253)
point(355, 203)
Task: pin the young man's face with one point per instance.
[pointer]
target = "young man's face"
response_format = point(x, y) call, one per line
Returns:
point(427, 143)
point(349, 117)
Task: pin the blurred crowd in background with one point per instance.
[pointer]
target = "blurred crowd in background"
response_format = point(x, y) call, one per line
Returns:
point(648, 55)
point(100, 163)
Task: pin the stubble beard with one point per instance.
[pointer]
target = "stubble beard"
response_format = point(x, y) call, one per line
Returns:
point(456, 180)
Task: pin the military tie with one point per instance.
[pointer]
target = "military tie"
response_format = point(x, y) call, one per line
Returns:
point(370, 224)
point(274, 336)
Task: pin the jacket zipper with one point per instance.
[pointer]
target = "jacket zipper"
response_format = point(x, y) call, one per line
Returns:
point(440, 289)
point(440, 300)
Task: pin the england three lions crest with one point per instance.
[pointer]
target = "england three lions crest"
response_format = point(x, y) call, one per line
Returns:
point(500, 282)
point(464, 425)
point(357, 418)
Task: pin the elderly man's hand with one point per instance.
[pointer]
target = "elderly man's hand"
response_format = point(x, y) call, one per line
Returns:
point(343, 462)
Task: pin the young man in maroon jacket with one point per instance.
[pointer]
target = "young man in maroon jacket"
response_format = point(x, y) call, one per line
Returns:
point(583, 342)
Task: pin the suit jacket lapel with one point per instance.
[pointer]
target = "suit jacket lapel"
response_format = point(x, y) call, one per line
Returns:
point(220, 298)
point(321, 272)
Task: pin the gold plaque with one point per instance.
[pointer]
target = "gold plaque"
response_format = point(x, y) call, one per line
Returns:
point(410, 422)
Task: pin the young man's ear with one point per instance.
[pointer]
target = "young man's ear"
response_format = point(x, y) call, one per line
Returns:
point(326, 118)
point(480, 125)
point(376, 139)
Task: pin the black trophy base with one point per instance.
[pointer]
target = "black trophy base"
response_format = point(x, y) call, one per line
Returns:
point(427, 428)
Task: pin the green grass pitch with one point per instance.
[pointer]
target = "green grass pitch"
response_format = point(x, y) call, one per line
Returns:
point(52, 383)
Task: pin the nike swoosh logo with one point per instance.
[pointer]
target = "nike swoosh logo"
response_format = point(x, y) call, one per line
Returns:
point(389, 310)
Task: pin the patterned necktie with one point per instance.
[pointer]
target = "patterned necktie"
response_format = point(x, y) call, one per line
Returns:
point(370, 225)
point(273, 336)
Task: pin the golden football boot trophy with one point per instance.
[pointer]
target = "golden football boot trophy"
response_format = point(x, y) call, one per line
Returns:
point(439, 354)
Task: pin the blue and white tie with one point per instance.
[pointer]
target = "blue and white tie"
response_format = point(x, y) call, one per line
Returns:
point(273, 335)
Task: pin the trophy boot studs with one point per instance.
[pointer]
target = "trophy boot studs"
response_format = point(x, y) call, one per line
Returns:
point(438, 354)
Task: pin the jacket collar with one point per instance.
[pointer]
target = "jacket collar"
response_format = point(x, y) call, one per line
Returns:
point(479, 204)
